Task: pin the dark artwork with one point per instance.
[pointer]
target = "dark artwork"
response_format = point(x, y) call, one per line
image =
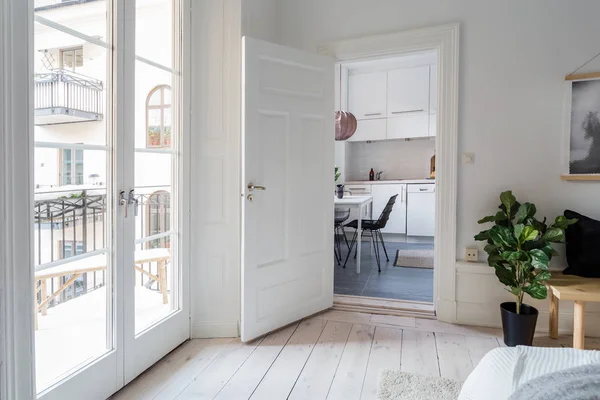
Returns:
point(585, 128)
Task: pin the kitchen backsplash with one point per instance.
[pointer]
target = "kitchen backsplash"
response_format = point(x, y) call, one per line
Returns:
point(398, 159)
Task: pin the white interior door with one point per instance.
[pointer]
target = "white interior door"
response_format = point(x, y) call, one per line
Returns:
point(287, 216)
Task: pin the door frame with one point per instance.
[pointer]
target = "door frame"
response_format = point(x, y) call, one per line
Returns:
point(444, 40)
point(17, 364)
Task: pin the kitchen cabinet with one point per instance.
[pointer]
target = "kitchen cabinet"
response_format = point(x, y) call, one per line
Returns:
point(369, 129)
point(420, 210)
point(407, 126)
point(408, 91)
point(367, 95)
point(381, 194)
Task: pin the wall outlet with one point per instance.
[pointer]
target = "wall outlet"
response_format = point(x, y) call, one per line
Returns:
point(471, 255)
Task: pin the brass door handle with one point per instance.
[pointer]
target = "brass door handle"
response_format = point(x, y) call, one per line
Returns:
point(252, 187)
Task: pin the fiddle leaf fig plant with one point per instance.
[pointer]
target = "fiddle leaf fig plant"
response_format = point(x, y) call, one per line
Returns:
point(519, 246)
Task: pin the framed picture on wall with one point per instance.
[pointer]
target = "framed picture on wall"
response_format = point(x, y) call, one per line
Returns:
point(582, 127)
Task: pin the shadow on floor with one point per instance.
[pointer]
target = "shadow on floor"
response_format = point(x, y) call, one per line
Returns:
point(392, 282)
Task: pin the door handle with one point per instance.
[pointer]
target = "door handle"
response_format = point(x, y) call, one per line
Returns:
point(133, 200)
point(252, 187)
point(123, 202)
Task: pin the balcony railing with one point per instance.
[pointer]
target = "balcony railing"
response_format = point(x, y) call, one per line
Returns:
point(63, 96)
point(69, 224)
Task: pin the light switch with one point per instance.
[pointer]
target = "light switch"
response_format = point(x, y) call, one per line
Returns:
point(468, 158)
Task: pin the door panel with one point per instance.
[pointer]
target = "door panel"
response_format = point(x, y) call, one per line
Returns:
point(381, 195)
point(367, 95)
point(408, 126)
point(408, 91)
point(288, 145)
point(370, 129)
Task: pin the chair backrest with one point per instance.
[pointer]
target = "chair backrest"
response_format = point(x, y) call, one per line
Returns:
point(385, 214)
point(341, 214)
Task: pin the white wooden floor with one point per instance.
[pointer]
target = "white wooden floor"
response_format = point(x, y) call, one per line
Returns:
point(334, 355)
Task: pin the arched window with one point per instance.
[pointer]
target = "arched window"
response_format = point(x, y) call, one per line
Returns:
point(158, 117)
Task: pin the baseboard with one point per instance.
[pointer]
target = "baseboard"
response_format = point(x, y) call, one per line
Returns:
point(446, 311)
point(208, 330)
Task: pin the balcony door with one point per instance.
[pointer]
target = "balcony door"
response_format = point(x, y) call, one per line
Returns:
point(108, 172)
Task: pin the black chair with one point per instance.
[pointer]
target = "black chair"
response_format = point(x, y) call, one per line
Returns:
point(341, 215)
point(374, 228)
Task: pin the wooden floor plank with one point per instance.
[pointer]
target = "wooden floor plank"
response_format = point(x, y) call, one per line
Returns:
point(392, 320)
point(455, 362)
point(249, 375)
point(212, 379)
point(350, 375)
point(479, 346)
point(345, 316)
point(419, 354)
point(316, 377)
point(386, 353)
point(280, 379)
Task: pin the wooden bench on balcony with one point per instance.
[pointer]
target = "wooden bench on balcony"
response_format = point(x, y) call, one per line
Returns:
point(76, 268)
point(578, 289)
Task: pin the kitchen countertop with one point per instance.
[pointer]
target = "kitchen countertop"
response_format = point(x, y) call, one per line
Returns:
point(390, 181)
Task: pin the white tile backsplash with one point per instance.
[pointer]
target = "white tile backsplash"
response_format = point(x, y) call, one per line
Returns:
point(398, 159)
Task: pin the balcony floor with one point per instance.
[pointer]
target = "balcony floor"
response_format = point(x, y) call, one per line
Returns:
point(74, 333)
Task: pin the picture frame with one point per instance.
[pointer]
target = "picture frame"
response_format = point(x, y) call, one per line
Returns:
point(581, 155)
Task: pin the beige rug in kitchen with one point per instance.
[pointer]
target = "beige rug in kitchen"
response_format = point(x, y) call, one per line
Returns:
point(414, 258)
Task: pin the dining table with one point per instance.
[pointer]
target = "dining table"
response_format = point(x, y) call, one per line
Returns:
point(359, 203)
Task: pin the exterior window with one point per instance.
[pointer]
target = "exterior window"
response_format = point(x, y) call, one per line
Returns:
point(158, 218)
point(158, 117)
point(71, 167)
point(71, 59)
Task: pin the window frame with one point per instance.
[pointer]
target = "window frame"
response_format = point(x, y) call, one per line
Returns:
point(73, 166)
point(161, 107)
point(72, 50)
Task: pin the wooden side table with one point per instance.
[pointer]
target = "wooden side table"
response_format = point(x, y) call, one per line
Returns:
point(578, 289)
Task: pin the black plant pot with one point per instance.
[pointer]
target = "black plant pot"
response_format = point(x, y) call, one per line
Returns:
point(518, 328)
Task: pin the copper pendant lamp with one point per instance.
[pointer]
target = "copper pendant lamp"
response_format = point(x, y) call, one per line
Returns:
point(345, 121)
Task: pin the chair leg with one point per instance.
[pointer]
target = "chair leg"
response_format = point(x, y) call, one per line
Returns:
point(376, 247)
point(336, 247)
point(383, 243)
point(351, 245)
point(345, 238)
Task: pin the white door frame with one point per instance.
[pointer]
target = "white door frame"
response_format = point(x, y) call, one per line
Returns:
point(17, 365)
point(444, 40)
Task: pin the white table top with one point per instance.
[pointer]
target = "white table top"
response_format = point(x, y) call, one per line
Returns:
point(353, 200)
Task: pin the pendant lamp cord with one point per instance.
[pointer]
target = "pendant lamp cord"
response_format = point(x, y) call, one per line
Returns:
point(584, 64)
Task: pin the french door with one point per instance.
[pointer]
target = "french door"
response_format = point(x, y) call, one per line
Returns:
point(109, 199)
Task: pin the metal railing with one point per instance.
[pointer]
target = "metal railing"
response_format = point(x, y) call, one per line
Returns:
point(75, 223)
point(73, 91)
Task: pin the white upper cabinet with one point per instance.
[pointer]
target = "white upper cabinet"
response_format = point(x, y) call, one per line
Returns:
point(369, 129)
point(367, 95)
point(408, 126)
point(408, 91)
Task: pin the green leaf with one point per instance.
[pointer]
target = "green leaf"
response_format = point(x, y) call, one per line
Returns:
point(562, 222)
point(525, 211)
point(502, 237)
point(539, 259)
point(514, 256)
point(536, 290)
point(508, 201)
point(543, 276)
point(494, 259)
point(519, 231)
point(555, 235)
point(483, 235)
point(500, 216)
point(529, 234)
point(490, 249)
point(505, 276)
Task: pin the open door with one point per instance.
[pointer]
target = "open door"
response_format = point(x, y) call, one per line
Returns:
point(287, 193)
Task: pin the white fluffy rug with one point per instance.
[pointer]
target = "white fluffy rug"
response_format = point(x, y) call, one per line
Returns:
point(396, 385)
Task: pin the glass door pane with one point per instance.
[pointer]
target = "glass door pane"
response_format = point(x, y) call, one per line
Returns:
point(72, 175)
point(156, 165)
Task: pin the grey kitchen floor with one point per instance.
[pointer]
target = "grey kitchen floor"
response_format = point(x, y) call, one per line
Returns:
point(392, 282)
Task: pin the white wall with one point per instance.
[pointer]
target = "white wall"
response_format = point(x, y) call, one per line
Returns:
point(513, 59)
point(398, 159)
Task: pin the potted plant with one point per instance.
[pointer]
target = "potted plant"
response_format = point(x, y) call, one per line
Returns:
point(519, 249)
point(339, 188)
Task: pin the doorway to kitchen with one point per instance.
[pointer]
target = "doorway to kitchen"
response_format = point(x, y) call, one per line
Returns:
point(385, 220)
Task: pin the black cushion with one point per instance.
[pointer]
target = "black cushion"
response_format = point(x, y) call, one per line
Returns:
point(583, 246)
point(368, 224)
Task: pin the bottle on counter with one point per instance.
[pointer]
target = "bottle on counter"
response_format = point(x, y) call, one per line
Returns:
point(432, 167)
point(372, 175)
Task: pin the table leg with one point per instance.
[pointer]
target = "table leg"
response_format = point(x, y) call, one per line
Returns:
point(43, 296)
point(359, 239)
point(162, 275)
point(553, 316)
point(579, 325)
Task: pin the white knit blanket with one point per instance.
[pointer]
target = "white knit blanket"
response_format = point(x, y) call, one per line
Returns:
point(503, 370)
